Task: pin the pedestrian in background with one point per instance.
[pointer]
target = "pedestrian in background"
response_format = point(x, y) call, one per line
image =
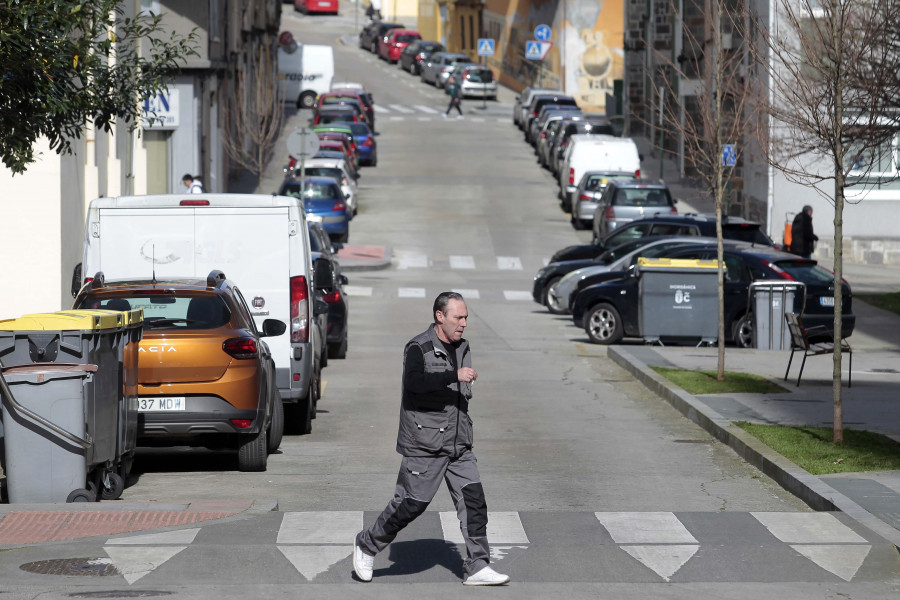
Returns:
point(193, 185)
point(435, 440)
point(453, 89)
point(803, 240)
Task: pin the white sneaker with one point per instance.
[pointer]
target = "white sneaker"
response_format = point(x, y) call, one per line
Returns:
point(486, 576)
point(363, 564)
point(444, 115)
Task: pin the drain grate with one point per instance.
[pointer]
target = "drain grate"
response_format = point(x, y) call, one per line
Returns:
point(73, 567)
point(120, 594)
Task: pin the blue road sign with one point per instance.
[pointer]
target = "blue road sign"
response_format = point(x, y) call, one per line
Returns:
point(729, 155)
point(542, 33)
point(485, 47)
point(533, 50)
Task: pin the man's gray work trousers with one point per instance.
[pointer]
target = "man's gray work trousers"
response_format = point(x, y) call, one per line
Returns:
point(418, 482)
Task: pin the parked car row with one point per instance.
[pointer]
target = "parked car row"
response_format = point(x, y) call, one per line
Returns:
point(600, 186)
point(395, 43)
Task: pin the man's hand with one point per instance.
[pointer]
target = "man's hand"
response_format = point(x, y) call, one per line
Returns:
point(466, 374)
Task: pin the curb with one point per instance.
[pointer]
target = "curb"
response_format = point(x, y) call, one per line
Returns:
point(805, 486)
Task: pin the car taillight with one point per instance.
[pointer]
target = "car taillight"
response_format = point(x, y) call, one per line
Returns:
point(586, 196)
point(299, 309)
point(543, 135)
point(571, 176)
point(533, 114)
point(637, 174)
point(242, 423)
point(241, 348)
point(339, 206)
point(673, 210)
point(779, 270)
point(333, 297)
point(194, 203)
point(609, 214)
point(563, 144)
point(368, 142)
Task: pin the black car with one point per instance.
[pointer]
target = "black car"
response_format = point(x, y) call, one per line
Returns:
point(371, 33)
point(338, 307)
point(539, 102)
point(609, 311)
point(412, 56)
point(733, 228)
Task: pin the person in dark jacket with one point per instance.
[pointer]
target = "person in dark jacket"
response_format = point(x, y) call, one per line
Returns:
point(455, 90)
point(435, 439)
point(803, 240)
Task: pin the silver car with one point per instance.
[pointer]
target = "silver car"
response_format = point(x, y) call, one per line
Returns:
point(588, 194)
point(625, 201)
point(524, 101)
point(476, 80)
point(434, 68)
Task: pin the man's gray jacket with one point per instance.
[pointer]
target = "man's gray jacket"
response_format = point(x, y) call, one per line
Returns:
point(434, 413)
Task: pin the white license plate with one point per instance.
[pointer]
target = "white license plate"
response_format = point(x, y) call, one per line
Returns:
point(161, 404)
point(324, 3)
point(314, 218)
point(826, 300)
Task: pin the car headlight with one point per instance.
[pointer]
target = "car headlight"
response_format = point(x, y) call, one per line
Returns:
point(540, 273)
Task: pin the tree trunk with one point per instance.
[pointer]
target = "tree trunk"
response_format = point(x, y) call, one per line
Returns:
point(716, 122)
point(837, 40)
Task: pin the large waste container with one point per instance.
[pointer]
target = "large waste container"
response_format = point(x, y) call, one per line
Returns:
point(80, 337)
point(44, 432)
point(770, 301)
point(678, 299)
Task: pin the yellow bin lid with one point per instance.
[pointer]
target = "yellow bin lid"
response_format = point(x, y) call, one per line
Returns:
point(682, 263)
point(62, 321)
point(109, 318)
point(125, 318)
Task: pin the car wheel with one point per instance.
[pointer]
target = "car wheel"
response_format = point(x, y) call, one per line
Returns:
point(252, 451)
point(374, 161)
point(113, 486)
point(318, 393)
point(548, 300)
point(306, 100)
point(577, 223)
point(603, 324)
point(276, 427)
point(338, 350)
point(742, 331)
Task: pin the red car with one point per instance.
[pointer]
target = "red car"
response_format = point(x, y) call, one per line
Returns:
point(350, 147)
point(392, 44)
point(316, 6)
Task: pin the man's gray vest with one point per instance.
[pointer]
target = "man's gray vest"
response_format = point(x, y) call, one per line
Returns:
point(437, 423)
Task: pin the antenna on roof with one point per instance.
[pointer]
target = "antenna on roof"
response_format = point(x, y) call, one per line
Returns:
point(154, 264)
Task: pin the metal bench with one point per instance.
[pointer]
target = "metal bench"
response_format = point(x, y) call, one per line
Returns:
point(800, 341)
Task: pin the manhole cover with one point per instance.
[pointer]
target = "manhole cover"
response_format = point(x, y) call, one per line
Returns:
point(120, 594)
point(77, 567)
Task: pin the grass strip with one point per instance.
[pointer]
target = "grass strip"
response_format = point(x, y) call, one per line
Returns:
point(704, 382)
point(890, 301)
point(812, 448)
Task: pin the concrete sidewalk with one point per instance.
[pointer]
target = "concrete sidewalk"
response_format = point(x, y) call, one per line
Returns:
point(872, 498)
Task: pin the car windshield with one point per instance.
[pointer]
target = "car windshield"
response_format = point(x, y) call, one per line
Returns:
point(480, 76)
point(336, 117)
point(406, 38)
point(641, 197)
point(314, 244)
point(745, 232)
point(312, 190)
point(599, 182)
point(167, 311)
point(333, 172)
point(806, 271)
point(621, 250)
point(360, 129)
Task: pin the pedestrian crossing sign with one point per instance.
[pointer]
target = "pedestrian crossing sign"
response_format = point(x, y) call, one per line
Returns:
point(485, 47)
point(533, 50)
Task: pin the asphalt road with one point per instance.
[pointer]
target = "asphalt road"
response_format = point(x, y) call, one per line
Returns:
point(595, 486)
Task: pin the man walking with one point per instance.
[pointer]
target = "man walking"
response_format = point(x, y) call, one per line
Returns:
point(453, 88)
point(803, 240)
point(435, 440)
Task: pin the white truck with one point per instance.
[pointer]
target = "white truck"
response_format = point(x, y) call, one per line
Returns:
point(260, 241)
point(304, 73)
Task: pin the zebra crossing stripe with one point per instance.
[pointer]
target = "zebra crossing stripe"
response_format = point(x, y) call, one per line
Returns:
point(509, 263)
point(357, 290)
point(645, 528)
point(844, 561)
point(516, 295)
point(179, 536)
point(462, 262)
point(135, 562)
point(426, 109)
point(808, 528)
point(468, 294)
point(396, 118)
point(665, 560)
point(312, 560)
point(401, 109)
point(380, 109)
point(412, 261)
point(502, 528)
point(320, 527)
point(411, 292)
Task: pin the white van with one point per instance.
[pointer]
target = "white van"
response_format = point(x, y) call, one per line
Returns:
point(260, 241)
point(304, 73)
point(587, 152)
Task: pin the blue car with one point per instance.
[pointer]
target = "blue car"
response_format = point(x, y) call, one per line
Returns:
point(324, 202)
point(365, 141)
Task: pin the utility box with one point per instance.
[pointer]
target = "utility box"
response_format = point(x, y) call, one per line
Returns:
point(770, 300)
point(678, 300)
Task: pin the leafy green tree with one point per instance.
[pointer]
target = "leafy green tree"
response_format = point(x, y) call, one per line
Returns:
point(68, 62)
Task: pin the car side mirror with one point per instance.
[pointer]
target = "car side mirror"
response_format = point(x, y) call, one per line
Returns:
point(76, 279)
point(344, 279)
point(320, 307)
point(323, 275)
point(335, 246)
point(273, 328)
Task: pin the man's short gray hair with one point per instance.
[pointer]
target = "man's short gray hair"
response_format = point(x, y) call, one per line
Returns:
point(442, 300)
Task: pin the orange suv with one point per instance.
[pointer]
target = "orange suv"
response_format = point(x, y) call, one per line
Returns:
point(205, 376)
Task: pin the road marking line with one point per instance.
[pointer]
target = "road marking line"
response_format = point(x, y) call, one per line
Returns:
point(462, 262)
point(645, 528)
point(468, 294)
point(357, 290)
point(320, 527)
point(663, 560)
point(413, 261)
point(180, 537)
point(402, 109)
point(426, 109)
point(312, 560)
point(396, 118)
point(808, 528)
point(410, 292)
point(509, 263)
point(380, 109)
point(426, 119)
point(843, 561)
point(477, 120)
point(502, 528)
point(135, 562)
point(516, 295)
